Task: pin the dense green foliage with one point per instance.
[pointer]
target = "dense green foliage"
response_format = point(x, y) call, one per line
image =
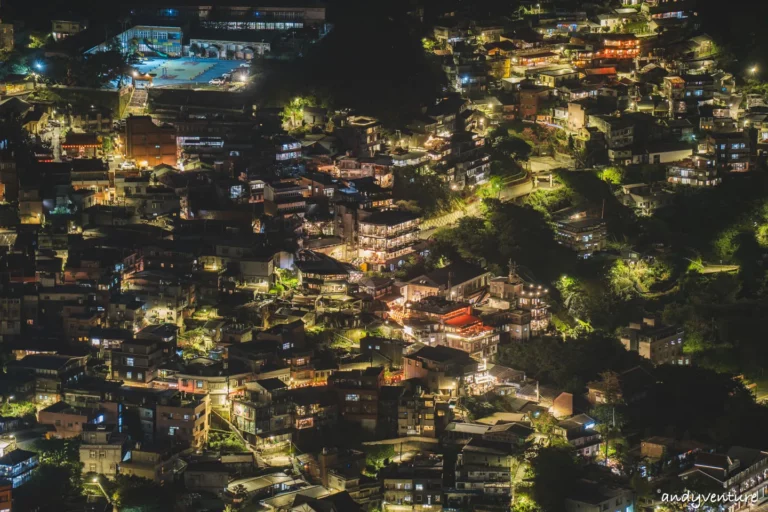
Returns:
point(224, 442)
point(508, 232)
point(569, 365)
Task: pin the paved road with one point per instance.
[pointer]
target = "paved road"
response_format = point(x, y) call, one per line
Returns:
point(25, 439)
point(509, 193)
point(716, 269)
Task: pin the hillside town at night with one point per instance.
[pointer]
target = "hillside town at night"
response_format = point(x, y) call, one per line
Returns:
point(403, 256)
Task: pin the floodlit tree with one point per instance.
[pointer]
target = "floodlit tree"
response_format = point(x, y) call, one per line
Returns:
point(293, 112)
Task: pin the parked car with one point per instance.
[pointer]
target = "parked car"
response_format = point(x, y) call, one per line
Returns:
point(216, 81)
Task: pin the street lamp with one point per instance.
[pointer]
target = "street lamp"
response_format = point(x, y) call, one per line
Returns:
point(96, 481)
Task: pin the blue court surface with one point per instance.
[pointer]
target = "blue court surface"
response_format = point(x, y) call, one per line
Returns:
point(186, 70)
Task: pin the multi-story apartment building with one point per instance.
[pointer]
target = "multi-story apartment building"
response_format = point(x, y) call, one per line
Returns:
point(667, 9)
point(218, 380)
point(740, 471)
point(50, 372)
point(486, 466)
point(437, 321)
point(184, 421)
point(362, 135)
point(731, 150)
point(148, 143)
point(358, 395)
point(416, 487)
point(457, 281)
point(69, 421)
point(287, 148)
point(313, 407)
point(422, 414)
point(354, 168)
point(618, 46)
point(234, 16)
point(661, 344)
point(61, 29)
point(387, 237)
point(619, 131)
point(445, 370)
point(284, 199)
point(510, 292)
point(698, 171)
point(17, 467)
point(264, 415)
point(136, 362)
point(582, 233)
point(469, 334)
point(579, 431)
point(102, 449)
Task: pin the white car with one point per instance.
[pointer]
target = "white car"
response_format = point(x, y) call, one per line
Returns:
point(216, 81)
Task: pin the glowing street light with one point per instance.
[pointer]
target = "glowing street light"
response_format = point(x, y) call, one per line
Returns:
point(38, 65)
point(96, 481)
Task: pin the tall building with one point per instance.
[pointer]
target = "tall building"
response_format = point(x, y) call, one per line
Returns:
point(148, 143)
point(415, 487)
point(662, 344)
point(184, 421)
point(136, 362)
point(386, 238)
point(530, 300)
point(102, 449)
point(731, 150)
point(358, 394)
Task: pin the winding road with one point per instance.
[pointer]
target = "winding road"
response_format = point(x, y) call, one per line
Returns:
point(515, 189)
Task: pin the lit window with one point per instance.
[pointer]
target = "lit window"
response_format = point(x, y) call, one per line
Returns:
point(353, 397)
point(129, 361)
point(419, 487)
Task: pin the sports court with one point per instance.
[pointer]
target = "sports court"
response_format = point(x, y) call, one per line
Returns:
point(181, 69)
point(186, 70)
